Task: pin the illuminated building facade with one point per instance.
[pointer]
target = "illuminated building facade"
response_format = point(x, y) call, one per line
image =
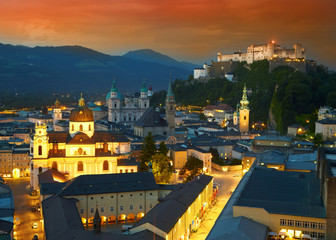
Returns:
point(81, 150)
point(265, 51)
point(127, 110)
point(244, 113)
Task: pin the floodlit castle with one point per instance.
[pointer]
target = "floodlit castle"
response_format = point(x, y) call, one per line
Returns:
point(128, 110)
point(80, 150)
point(265, 51)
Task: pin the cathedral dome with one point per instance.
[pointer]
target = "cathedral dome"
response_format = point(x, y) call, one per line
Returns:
point(82, 113)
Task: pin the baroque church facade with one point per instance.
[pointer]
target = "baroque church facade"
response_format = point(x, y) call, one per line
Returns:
point(80, 150)
point(151, 121)
point(126, 111)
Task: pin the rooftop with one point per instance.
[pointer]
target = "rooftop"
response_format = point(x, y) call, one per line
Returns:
point(269, 189)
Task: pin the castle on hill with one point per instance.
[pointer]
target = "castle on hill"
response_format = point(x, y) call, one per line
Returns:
point(265, 51)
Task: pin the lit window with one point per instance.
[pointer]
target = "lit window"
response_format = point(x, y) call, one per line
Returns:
point(306, 224)
point(283, 222)
point(291, 223)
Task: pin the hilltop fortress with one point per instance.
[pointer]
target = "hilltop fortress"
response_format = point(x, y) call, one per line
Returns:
point(226, 64)
point(265, 51)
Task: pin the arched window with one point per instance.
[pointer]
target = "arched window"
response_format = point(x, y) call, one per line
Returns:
point(40, 150)
point(171, 108)
point(89, 127)
point(81, 127)
point(72, 127)
point(80, 166)
point(105, 165)
point(244, 117)
point(54, 165)
point(145, 105)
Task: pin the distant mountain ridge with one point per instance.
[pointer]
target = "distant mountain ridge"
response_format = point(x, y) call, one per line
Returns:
point(150, 55)
point(76, 68)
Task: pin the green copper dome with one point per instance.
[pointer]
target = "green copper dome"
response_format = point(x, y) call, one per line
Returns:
point(144, 88)
point(114, 87)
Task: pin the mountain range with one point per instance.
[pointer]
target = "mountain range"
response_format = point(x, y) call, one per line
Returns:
point(76, 68)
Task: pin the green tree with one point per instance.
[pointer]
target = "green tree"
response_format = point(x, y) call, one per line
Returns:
point(331, 99)
point(318, 139)
point(162, 169)
point(192, 167)
point(202, 117)
point(148, 150)
point(163, 148)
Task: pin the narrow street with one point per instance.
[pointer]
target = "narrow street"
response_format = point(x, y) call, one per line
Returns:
point(228, 181)
point(23, 203)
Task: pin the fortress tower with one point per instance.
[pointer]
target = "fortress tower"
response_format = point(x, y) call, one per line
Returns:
point(244, 113)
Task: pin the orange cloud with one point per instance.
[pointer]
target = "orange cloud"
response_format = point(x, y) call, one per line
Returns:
point(187, 29)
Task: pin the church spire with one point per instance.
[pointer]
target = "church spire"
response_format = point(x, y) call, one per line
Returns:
point(170, 88)
point(244, 102)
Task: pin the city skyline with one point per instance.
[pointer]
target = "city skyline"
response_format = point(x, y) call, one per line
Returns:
point(192, 30)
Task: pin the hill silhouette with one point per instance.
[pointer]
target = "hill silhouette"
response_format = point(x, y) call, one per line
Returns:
point(76, 68)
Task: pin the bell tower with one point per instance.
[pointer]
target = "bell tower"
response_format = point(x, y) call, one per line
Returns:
point(41, 141)
point(144, 99)
point(170, 109)
point(114, 104)
point(244, 113)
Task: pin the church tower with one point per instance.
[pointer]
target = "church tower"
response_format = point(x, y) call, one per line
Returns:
point(144, 100)
point(57, 113)
point(244, 113)
point(170, 110)
point(40, 141)
point(114, 104)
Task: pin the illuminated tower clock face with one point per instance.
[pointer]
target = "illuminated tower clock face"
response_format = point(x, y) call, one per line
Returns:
point(39, 141)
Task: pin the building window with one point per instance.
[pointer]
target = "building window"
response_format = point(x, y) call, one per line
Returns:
point(321, 226)
point(40, 169)
point(92, 210)
point(132, 170)
point(283, 222)
point(54, 165)
point(150, 193)
point(121, 208)
point(306, 224)
point(313, 234)
point(120, 170)
point(80, 127)
point(102, 209)
point(140, 193)
point(80, 166)
point(105, 165)
point(298, 223)
point(150, 205)
point(140, 206)
point(82, 211)
point(313, 224)
point(40, 150)
point(291, 223)
point(111, 208)
point(121, 195)
point(131, 207)
point(72, 127)
point(321, 236)
point(115, 105)
point(89, 127)
point(126, 171)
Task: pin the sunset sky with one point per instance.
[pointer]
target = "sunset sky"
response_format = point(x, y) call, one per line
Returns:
point(192, 30)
